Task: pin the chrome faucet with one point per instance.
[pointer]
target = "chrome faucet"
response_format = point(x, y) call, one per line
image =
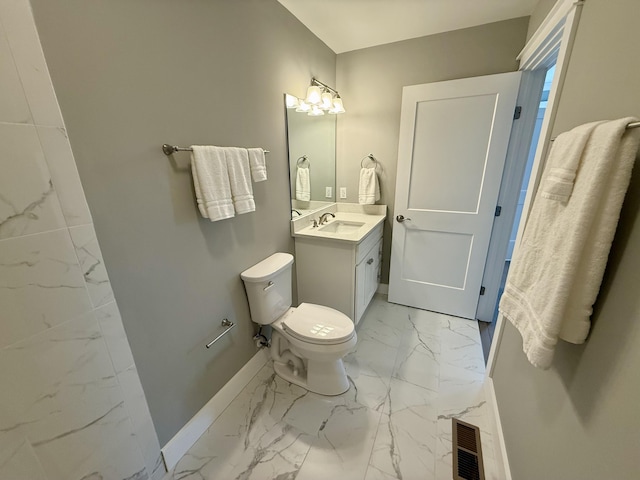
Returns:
point(323, 217)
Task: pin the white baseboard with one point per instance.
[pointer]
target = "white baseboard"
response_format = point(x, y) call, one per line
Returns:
point(182, 441)
point(500, 446)
point(383, 288)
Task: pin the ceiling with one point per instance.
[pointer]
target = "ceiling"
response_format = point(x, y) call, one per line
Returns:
point(346, 25)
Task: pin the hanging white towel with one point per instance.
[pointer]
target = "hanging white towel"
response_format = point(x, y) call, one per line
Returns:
point(303, 184)
point(211, 182)
point(369, 189)
point(557, 269)
point(240, 179)
point(258, 164)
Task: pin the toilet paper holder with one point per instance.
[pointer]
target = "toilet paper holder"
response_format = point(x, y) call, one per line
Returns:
point(228, 324)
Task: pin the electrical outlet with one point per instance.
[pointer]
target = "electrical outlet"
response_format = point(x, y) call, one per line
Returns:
point(328, 192)
point(343, 192)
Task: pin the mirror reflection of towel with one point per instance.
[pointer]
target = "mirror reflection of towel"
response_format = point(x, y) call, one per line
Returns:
point(303, 184)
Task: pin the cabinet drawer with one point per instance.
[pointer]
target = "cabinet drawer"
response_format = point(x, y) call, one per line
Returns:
point(368, 243)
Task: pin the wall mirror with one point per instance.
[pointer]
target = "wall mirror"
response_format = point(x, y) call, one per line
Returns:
point(312, 146)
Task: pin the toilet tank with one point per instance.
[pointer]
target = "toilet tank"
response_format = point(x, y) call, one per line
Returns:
point(268, 286)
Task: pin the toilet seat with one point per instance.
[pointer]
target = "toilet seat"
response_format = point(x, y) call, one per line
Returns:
point(318, 325)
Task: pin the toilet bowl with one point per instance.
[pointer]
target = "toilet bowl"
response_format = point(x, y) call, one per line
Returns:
point(308, 342)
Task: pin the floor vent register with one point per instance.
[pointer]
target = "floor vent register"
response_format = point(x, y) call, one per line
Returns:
point(467, 451)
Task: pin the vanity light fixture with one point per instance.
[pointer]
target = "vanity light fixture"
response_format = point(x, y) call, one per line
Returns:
point(303, 106)
point(291, 101)
point(320, 98)
point(314, 95)
point(337, 106)
point(316, 111)
point(327, 101)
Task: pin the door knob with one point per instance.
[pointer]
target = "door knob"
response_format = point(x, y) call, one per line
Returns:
point(401, 218)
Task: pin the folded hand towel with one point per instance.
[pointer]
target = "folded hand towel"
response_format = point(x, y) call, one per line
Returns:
point(303, 184)
point(211, 182)
point(557, 269)
point(240, 179)
point(567, 151)
point(258, 164)
point(369, 189)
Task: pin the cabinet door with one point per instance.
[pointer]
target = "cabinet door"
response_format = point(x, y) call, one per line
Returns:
point(359, 300)
point(372, 269)
point(367, 279)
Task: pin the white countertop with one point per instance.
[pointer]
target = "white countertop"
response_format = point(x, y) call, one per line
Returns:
point(369, 221)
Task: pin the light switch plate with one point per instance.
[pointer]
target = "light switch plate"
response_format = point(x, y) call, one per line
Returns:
point(328, 192)
point(343, 192)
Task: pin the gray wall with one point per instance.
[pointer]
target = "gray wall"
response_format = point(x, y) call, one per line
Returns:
point(538, 15)
point(580, 418)
point(371, 80)
point(133, 75)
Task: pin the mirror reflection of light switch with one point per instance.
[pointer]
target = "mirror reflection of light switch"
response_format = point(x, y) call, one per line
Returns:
point(328, 192)
point(343, 192)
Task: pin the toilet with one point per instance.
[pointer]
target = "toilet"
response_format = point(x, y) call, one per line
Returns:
point(307, 342)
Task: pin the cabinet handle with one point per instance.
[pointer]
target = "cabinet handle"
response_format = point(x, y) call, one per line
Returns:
point(370, 261)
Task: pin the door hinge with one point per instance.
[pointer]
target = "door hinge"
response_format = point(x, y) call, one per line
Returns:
point(517, 113)
point(481, 290)
point(498, 210)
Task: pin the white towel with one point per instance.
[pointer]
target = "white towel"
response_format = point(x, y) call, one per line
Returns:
point(558, 267)
point(211, 182)
point(303, 184)
point(240, 179)
point(258, 164)
point(369, 189)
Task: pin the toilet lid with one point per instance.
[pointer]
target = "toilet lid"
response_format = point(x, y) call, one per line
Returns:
point(318, 324)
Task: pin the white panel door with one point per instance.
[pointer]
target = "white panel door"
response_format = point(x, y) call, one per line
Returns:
point(452, 149)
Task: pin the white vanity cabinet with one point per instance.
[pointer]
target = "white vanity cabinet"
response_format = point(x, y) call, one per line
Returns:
point(367, 275)
point(339, 274)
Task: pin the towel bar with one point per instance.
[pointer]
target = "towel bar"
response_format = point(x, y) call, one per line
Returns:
point(629, 126)
point(225, 323)
point(170, 149)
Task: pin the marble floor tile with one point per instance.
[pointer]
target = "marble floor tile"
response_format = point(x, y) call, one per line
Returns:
point(30, 205)
point(18, 461)
point(95, 274)
point(41, 285)
point(373, 358)
point(62, 392)
point(343, 445)
point(25, 45)
point(412, 371)
point(13, 102)
point(418, 360)
point(405, 445)
point(64, 174)
point(252, 436)
point(375, 474)
point(143, 429)
point(114, 334)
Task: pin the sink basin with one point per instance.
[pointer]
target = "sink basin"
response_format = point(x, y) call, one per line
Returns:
point(340, 226)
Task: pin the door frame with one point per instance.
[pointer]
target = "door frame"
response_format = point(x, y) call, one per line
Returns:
point(531, 85)
point(551, 43)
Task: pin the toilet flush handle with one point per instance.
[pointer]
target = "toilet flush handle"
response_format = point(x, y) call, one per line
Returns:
point(269, 285)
